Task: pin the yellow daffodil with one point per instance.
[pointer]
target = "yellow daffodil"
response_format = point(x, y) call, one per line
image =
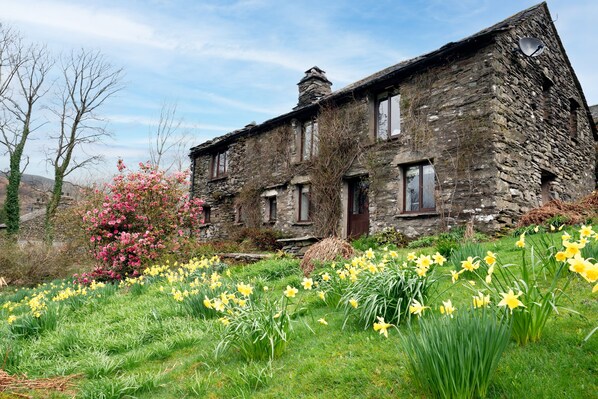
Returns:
point(560, 256)
point(417, 308)
point(290, 292)
point(411, 256)
point(481, 300)
point(393, 254)
point(586, 231)
point(369, 254)
point(323, 321)
point(490, 258)
point(382, 326)
point(536, 229)
point(447, 308)
point(11, 319)
point(353, 302)
point(325, 277)
point(307, 283)
point(424, 261)
point(322, 295)
point(521, 242)
point(439, 259)
point(510, 299)
point(470, 264)
point(224, 320)
point(207, 303)
point(552, 228)
point(578, 264)
point(244, 289)
point(455, 275)
point(591, 272)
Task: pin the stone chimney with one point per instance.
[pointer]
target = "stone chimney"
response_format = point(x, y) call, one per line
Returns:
point(313, 86)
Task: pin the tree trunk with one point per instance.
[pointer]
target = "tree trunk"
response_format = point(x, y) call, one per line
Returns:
point(12, 202)
point(53, 206)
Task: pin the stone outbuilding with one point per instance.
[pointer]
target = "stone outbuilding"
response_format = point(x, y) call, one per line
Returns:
point(480, 130)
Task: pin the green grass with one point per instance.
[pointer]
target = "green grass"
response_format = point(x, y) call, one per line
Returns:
point(142, 345)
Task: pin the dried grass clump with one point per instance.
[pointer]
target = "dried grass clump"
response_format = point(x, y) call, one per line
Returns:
point(326, 250)
point(15, 385)
point(574, 212)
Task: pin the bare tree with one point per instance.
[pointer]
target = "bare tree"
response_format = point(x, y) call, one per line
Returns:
point(88, 81)
point(29, 68)
point(167, 144)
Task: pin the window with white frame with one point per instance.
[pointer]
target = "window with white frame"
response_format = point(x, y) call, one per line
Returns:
point(388, 116)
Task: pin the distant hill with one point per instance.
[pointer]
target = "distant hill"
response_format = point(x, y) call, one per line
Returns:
point(34, 191)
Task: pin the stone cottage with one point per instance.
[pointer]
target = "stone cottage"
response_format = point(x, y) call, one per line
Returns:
point(479, 130)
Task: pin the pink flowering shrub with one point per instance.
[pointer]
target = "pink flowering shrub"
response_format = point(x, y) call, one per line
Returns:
point(138, 217)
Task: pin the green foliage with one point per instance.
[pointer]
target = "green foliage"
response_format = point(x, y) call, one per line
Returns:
point(10, 354)
point(391, 236)
point(365, 242)
point(259, 330)
point(387, 293)
point(462, 252)
point(269, 269)
point(456, 358)
point(30, 326)
point(446, 246)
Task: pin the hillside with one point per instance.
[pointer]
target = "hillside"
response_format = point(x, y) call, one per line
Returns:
point(34, 191)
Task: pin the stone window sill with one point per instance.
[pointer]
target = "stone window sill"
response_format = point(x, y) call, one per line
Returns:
point(416, 215)
point(303, 223)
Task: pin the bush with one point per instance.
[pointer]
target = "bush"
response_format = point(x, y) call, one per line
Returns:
point(456, 357)
point(137, 218)
point(391, 236)
point(34, 263)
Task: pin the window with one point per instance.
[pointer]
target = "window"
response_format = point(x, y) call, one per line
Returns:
point(207, 214)
point(546, 180)
point(388, 116)
point(573, 107)
point(304, 214)
point(309, 140)
point(419, 188)
point(272, 209)
point(219, 166)
point(239, 217)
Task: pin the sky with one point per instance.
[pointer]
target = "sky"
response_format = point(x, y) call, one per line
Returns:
point(228, 63)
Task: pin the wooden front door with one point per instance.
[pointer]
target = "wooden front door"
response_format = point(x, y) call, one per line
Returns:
point(358, 212)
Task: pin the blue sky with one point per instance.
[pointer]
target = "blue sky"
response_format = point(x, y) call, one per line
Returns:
point(227, 63)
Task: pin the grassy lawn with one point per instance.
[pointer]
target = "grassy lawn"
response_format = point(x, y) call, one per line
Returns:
point(139, 342)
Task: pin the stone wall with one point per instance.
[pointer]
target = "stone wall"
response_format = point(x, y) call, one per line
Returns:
point(532, 128)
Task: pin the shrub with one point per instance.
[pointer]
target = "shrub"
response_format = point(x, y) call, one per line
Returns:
point(34, 263)
point(138, 217)
point(391, 236)
point(456, 357)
